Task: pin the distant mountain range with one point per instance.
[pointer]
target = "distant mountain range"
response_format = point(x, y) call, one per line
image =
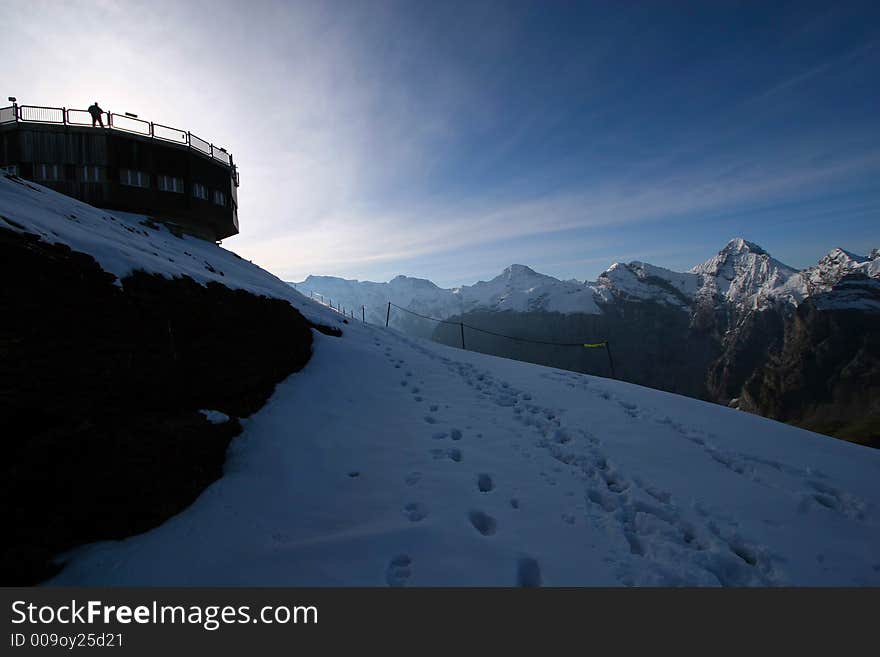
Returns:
point(742, 328)
point(742, 274)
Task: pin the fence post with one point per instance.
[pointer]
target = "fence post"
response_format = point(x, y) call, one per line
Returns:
point(363, 315)
point(610, 361)
point(461, 326)
point(64, 115)
point(387, 314)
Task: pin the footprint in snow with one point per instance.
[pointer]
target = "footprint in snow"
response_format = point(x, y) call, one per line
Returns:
point(528, 573)
point(399, 570)
point(485, 483)
point(483, 523)
point(415, 512)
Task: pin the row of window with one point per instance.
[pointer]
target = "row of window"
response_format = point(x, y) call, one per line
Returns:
point(51, 172)
point(169, 184)
point(129, 177)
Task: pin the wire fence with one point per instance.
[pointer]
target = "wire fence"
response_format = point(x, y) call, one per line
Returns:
point(462, 326)
point(350, 312)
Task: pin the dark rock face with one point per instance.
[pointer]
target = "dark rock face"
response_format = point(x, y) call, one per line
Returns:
point(817, 367)
point(744, 348)
point(826, 377)
point(100, 390)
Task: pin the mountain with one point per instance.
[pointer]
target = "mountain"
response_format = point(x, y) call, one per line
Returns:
point(517, 289)
point(826, 375)
point(703, 332)
point(742, 274)
point(640, 281)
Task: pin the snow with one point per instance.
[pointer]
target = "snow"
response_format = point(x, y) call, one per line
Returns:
point(522, 289)
point(214, 417)
point(123, 243)
point(743, 274)
point(644, 282)
point(394, 461)
point(416, 294)
point(454, 468)
point(517, 288)
point(852, 294)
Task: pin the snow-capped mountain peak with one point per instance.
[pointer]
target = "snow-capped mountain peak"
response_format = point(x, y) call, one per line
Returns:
point(739, 245)
point(522, 289)
point(831, 269)
point(645, 282)
point(742, 273)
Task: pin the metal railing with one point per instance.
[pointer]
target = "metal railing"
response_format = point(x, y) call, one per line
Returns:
point(121, 122)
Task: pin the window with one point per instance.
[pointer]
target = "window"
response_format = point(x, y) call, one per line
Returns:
point(11, 169)
point(200, 191)
point(46, 171)
point(134, 178)
point(91, 173)
point(171, 184)
point(218, 197)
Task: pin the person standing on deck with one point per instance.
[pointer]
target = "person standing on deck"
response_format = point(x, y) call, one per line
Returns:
point(96, 113)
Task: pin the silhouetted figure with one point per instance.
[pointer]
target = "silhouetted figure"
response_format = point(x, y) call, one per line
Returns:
point(96, 113)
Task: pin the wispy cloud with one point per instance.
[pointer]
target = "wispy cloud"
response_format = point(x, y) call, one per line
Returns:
point(367, 141)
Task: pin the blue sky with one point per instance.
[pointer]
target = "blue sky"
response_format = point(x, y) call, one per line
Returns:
point(450, 139)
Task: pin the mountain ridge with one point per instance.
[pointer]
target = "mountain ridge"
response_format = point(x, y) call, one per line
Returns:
point(742, 273)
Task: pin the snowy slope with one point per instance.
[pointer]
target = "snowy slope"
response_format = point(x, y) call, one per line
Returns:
point(641, 281)
point(520, 288)
point(123, 242)
point(394, 461)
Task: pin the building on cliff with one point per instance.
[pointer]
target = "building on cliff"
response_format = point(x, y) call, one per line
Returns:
point(129, 164)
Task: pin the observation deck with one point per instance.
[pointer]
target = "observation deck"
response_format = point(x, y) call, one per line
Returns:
point(130, 165)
